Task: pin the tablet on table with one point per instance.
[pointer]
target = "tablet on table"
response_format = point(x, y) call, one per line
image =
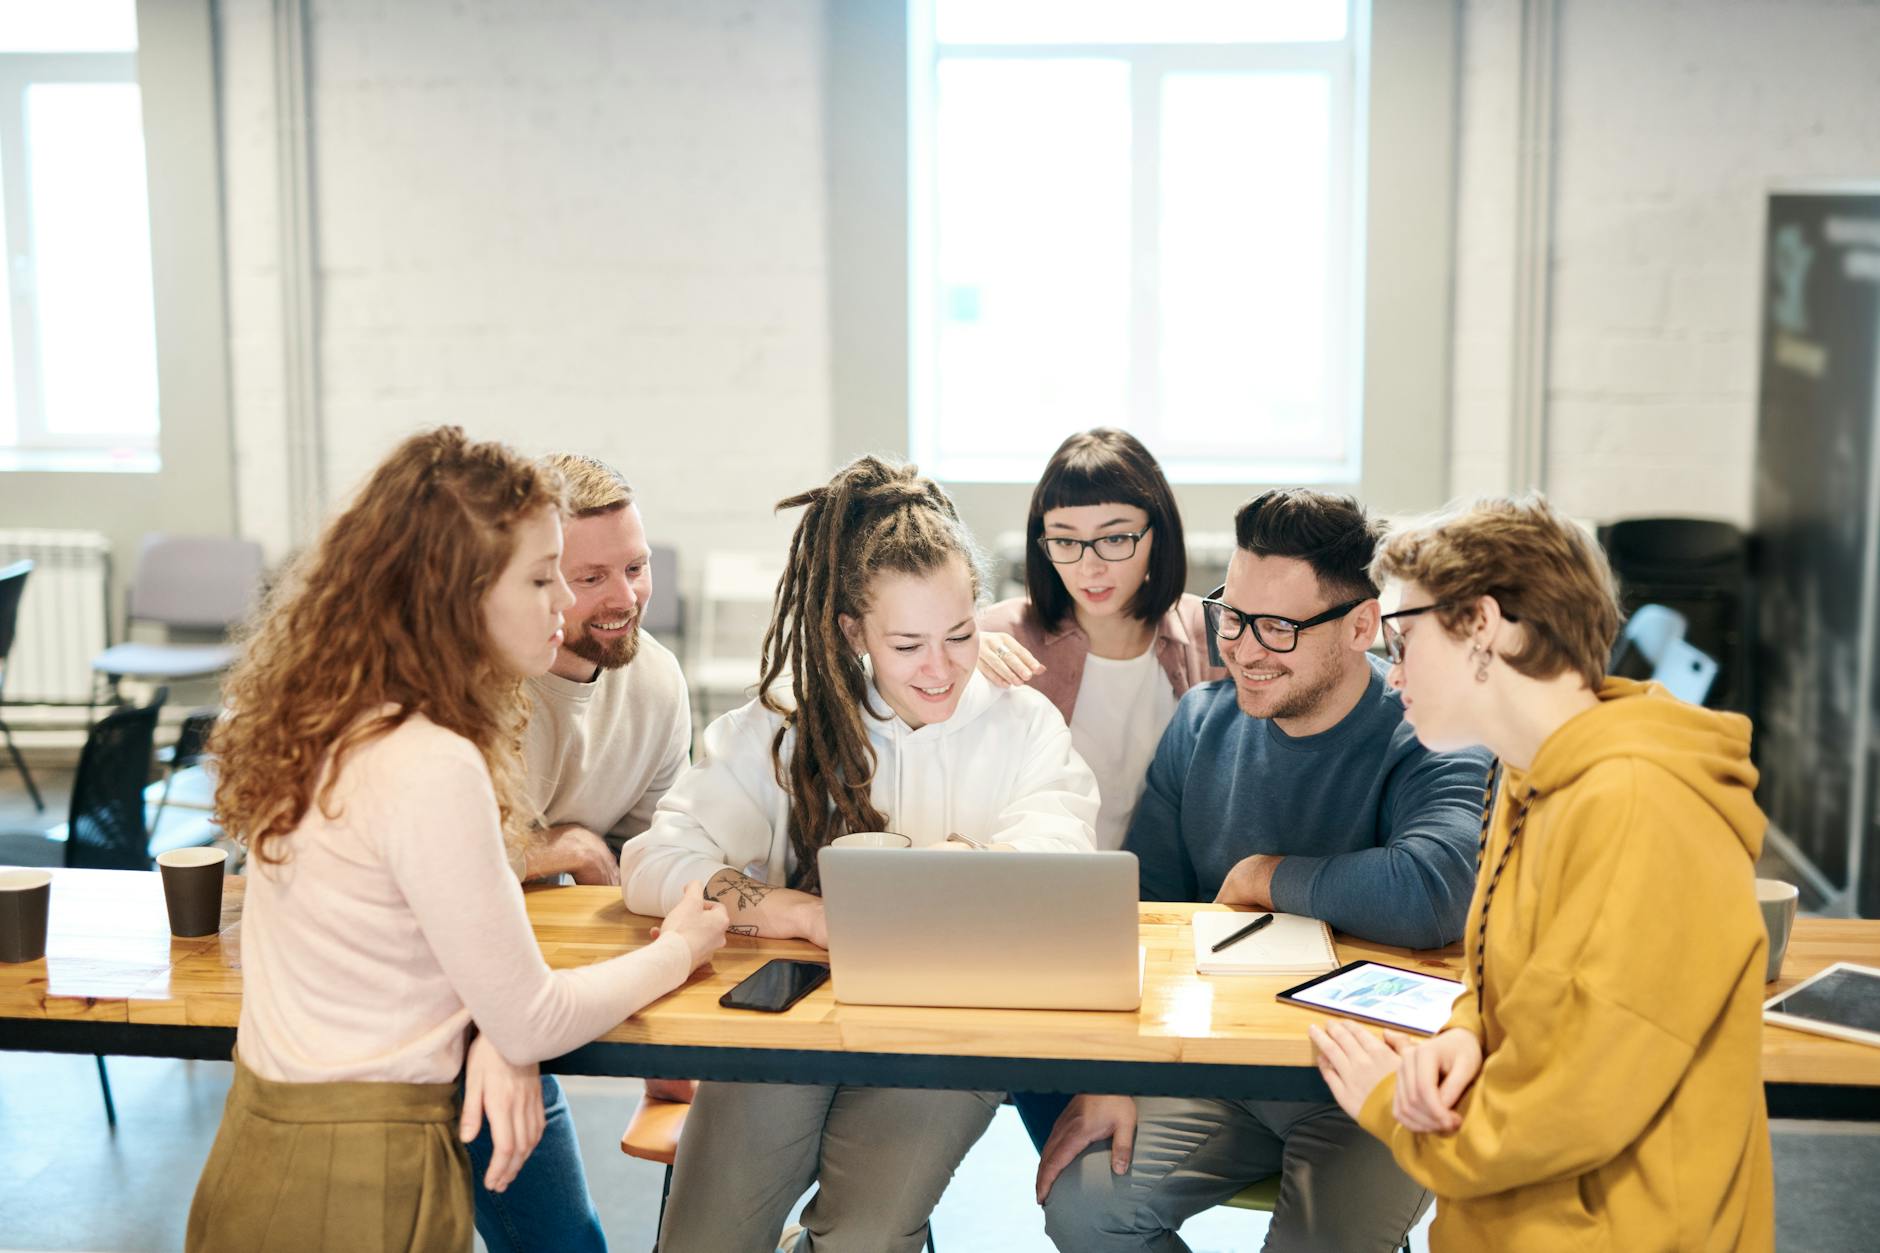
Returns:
point(1408, 1000)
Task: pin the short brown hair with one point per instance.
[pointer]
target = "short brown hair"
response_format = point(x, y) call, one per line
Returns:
point(1543, 569)
point(1106, 466)
point(594, 487)
point(1329, 533)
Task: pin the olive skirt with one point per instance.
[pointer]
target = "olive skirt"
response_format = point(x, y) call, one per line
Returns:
point(372, 1167)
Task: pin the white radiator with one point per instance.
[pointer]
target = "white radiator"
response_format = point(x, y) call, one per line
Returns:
point(64, 617)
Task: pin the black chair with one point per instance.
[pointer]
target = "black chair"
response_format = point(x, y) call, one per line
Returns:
point(107, 830)
point(12, 587)
point(191, 747)
point(1700, 568)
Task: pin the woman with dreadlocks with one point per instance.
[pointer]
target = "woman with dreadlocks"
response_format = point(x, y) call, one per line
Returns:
point(870, 717)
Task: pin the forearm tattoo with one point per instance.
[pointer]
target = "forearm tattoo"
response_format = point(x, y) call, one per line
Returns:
point(741, 929)
point(737, 890)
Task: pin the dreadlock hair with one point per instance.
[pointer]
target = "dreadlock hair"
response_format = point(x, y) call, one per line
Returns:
point(875, 516)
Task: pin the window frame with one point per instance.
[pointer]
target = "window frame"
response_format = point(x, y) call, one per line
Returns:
point(18, 72)
point(1343, 64)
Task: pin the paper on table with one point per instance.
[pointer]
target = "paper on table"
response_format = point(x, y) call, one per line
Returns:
point(1290, 944)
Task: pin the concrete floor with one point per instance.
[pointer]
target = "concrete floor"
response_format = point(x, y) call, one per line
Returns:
point(67, 1182)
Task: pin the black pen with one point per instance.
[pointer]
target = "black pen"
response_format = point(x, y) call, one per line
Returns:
point(1243, 933)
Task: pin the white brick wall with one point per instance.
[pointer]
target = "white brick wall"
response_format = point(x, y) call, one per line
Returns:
point(599, 225)
point(1674, 119)
point(594, 226)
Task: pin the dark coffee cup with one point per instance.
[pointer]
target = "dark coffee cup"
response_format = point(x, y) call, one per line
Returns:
point(192, 889)
point(25, 904)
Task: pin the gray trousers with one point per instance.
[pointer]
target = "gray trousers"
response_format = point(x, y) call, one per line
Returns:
point(1341, 1191)
point(879, 1157)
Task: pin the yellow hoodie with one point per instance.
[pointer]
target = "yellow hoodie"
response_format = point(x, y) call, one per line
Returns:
point(1620, 1101)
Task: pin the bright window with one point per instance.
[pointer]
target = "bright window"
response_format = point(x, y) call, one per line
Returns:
point(78, 367)
point(1143, 215)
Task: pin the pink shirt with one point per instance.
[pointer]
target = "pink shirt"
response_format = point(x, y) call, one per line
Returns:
point(1181, 646)
point(398, 922)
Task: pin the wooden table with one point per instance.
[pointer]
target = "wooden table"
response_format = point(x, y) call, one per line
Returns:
point(114, 981)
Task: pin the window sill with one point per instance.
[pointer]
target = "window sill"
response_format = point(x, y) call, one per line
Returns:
point(79, 461)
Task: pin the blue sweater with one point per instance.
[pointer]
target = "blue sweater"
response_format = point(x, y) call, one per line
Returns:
point(1379, 834)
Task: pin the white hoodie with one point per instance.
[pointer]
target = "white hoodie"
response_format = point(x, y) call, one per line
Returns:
point(1001, 768)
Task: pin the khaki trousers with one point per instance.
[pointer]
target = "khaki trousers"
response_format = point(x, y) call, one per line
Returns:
point(361, 1167)
point(1342, 1192)
point(879, 1157)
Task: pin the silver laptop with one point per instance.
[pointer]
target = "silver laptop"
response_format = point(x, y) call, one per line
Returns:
point(988, 930)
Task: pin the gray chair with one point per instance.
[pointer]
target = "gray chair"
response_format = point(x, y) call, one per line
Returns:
point(665, 617)
point(202, 583)
point(12, 588)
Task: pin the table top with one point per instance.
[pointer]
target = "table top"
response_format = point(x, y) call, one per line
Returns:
point(110, 958)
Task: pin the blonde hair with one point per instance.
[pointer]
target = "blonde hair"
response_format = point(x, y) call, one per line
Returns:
point(593, 486)
point(385, 610)
point(1547, 574)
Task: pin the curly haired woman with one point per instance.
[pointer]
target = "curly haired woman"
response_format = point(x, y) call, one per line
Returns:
point(369, 763)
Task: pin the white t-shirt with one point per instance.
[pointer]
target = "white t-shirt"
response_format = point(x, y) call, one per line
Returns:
point(1122, 709)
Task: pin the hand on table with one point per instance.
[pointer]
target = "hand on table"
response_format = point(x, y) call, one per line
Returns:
point(572, 849)
point(1005, 661)
point(699, 922)
point(511, 1097)
point(1086, 1120)
point(1432, 1075)
point(1250, 882)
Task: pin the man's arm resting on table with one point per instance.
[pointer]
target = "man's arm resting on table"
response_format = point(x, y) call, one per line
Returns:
point(570, 849)
point(759, 908)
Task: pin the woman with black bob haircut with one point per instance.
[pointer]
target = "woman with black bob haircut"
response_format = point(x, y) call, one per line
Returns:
point(1104, 630)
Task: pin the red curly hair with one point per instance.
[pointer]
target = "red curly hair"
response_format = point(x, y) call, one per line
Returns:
point(385, 610)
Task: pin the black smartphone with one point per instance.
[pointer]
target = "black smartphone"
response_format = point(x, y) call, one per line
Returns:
point(776, 985)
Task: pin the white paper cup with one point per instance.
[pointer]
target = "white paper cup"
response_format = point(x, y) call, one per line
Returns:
point(871, 839)
point(1778, 902)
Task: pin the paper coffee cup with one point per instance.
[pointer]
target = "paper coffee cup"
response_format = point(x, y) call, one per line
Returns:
point(1778, 902)
point(25, 904)
point(871, 839)
point(192, 889)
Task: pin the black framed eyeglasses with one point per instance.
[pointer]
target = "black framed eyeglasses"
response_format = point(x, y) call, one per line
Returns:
point(1276, 634)
point(1065, 551)
point(1394, 636)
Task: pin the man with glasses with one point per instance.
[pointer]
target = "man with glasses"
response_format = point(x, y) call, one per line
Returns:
point(1294, 785)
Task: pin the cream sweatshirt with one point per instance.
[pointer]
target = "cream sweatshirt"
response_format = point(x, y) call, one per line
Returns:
point(1002, 768)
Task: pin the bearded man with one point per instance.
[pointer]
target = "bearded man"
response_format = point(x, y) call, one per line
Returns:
point(610, 729)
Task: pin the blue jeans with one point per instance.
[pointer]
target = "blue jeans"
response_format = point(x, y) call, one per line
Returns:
point(546, 1207)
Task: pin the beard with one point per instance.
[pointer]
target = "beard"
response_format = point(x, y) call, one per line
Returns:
point(607, 654)
point(1308, 694)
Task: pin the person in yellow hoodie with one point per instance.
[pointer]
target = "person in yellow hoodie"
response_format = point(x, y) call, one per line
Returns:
point(1598, 1084)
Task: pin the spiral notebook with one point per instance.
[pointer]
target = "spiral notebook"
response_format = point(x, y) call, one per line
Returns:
point(1290, 944)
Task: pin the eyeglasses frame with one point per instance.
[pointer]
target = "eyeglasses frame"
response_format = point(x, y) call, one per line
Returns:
point(1247, 619)
point(1044, 543)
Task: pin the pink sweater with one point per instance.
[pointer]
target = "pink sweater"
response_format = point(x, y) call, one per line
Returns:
point(397, 923)
point(1181, 645)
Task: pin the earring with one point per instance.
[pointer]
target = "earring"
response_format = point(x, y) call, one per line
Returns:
point(1481, 668)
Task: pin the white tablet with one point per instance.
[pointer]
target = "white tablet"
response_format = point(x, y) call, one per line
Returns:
point(1843, 1001)
point(1406, 999)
